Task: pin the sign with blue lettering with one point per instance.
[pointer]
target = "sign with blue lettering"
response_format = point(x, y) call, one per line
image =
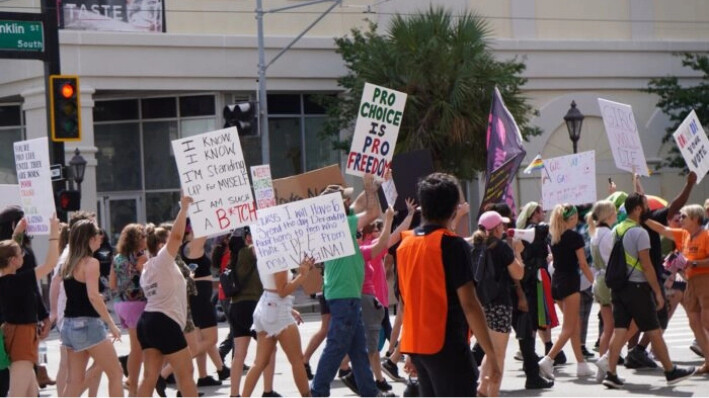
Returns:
point(694, 145)
point(283, 235)
point(571, 179)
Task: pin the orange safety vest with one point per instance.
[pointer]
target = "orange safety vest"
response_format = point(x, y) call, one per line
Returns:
point(422, 284)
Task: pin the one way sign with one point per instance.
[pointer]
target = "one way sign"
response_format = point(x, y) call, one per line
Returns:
point(56, 172)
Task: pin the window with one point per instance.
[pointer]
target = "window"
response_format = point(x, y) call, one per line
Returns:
point(118, 157)
point(116, 110)
point(157, 150)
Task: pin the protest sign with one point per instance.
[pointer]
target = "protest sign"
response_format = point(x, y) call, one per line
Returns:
point(407, 169)
point(9, 195)
point(213, 172)
point(571, 179)
point(693, 144)
point(623, 136)
point(263, 186)
point(378, 122)
point(306, 185)
point(315, 227)
point(35, 181)
point(390, 193)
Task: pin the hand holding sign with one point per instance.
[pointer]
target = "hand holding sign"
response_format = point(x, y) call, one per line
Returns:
point(694, 145)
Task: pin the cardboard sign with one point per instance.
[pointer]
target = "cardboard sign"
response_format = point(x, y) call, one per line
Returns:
point(306, 185)
point(9, 195)
point(571, 179)
point(35, 181)
point(379, 118)
point(693, 144)
point(623, 137)
point(316, 227)
point(213, 172)
point(263, 186)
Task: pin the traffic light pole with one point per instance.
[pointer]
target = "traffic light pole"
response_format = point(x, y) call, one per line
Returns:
point(262, 66)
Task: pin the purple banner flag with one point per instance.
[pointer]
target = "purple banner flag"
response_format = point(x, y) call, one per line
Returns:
point(504, 154)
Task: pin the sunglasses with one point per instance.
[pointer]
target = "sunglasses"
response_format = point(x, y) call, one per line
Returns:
point(682, 216)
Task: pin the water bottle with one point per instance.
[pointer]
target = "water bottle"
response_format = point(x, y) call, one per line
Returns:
point(42, 352)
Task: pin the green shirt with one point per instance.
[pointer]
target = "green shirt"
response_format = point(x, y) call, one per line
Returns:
point(344, 276)
point(249, 280)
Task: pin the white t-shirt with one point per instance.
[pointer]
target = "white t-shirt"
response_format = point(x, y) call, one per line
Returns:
point(604, 240)
point(61, 303)
point(165, 287)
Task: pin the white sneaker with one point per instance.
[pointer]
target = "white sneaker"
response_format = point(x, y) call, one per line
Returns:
point(546, 368)
point(518, 356)
point(583, 369)
point(602, 365)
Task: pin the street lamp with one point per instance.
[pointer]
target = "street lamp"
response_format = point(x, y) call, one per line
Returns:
point(78, 167)
point(574, 120)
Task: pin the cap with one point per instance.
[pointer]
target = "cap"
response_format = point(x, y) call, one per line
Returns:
point(10, 214)
point(345, 192)
point(491, 219)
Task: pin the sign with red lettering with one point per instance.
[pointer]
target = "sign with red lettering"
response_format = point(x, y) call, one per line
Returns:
point(623, 137)
point(263, 186)
point(34, 178)
point(213, 172)
point(317, 227)
point(693, 144)
point(378, 121)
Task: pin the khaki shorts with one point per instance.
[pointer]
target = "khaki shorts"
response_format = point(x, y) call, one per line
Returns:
point(601, 292)
point(21, 342)
point(696, 297)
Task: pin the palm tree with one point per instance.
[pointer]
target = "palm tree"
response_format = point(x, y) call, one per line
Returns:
point(444, 63)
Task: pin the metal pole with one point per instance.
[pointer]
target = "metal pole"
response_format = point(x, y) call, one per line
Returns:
point(262, 99)
point(575, 146)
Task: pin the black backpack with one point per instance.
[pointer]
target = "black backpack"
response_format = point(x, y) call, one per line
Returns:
point(229, 280)
point(617, 274)
point(486, 279)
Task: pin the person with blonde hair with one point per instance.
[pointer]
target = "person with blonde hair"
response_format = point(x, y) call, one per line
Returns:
point(569, 258)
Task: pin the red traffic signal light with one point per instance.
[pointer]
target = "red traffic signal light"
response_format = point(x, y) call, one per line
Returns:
point(67, 200)
point(65, 108)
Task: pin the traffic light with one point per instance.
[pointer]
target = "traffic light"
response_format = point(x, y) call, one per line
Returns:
point(244, 116)
point(68, 200)
point(65, 108)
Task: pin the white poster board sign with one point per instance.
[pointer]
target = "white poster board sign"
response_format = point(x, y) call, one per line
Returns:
point(213, 172)
point(35, 181)
point(263, 186)
point(378, 121)
point(316, 227)
point(390, 192)
point(9, 195)
point(694, 145)
point(570, 179)
point(623, 137)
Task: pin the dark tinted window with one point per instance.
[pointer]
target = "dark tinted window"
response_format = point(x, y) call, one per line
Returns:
point(10, 115)
point(197, 105)
point(156, 108)
point(311, 105)
point(116, 110)
point(284, 104)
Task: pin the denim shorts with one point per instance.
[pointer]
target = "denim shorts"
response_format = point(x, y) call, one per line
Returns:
point(82, 333)
point(273, 314)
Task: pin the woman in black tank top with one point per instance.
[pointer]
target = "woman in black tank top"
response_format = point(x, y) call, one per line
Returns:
point(84, 331)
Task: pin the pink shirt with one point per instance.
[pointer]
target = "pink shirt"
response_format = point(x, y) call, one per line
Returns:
point(375, 282)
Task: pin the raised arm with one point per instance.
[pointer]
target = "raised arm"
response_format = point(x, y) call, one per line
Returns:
point(178, 227)
point(286, 288)
point(637, 185)
point(659, 228)
point(371, 210)
point(463, 210)
point(405, 224)
point(683, 196)
point(382, 242)
point(53, 253)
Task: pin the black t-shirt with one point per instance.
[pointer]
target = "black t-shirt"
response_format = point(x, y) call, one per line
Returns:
point(18, 299)
point(202, 264)
point(502, 256)
point(564, 252)
point(660, 216)
point(457, 266)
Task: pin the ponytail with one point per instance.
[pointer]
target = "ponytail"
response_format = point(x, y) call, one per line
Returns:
point(556, 224)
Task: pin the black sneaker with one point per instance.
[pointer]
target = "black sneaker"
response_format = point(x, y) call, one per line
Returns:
point(383, 386)
point(170, 379)
point(678, 374)
point(343, 373)
point(208, 381)
point(560, 359)
point(160, 386)
point(350, 382)
point(224, 373)
point(246, 368)
point(612, 381)
point(538, 383)
point(271, 394)
point(308, 371)
point(124, 364)
point(621, 360)
point(586, 353)
point(179, 394)
point(638, 359)
point(391, 370)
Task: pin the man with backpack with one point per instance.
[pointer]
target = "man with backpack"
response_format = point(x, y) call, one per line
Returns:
point(631, 276)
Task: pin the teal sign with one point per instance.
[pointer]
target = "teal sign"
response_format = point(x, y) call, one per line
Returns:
point(21, 36)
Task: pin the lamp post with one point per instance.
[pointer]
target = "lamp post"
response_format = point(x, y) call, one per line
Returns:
point(574, 120)
point(78, 167)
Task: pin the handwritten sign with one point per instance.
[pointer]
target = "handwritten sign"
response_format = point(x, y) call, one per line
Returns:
point(263, 186)
point(315, 227)
point(307, 185)
point(379, 119)
point(213, 172)
point(33, 175)
point(623, 136)
point(571, 179)
point(694, 145)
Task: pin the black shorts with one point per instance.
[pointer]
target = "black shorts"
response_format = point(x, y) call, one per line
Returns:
point(160, 332)
point(564, 285)
point(204, 314)
point(635, 301)
point(324, 308)
point(241, 318)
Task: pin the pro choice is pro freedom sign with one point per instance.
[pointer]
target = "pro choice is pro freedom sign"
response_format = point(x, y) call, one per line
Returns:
point(378, 121)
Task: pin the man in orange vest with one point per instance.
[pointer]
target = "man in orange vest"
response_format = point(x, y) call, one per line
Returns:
point(438, 296)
